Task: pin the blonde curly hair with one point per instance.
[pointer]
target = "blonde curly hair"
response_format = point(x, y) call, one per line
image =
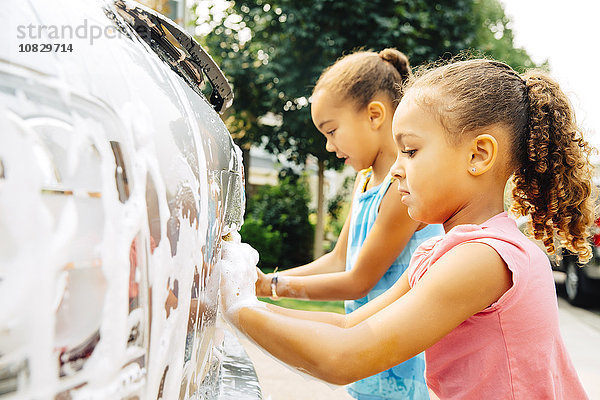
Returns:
point(550, 159)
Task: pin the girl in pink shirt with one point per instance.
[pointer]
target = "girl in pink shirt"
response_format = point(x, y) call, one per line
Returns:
point(480, 300)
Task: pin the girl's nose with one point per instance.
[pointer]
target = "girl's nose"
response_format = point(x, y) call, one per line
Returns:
point(397, 169)
point(329, 146)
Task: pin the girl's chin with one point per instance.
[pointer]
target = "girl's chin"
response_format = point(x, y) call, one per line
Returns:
point(423, 217)
point(355, 167)
point(416, 215)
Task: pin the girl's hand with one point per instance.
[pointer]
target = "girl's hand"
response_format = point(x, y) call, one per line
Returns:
point(238, 278)
point(263, 284)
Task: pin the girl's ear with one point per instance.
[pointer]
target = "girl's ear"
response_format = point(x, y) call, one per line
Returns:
point(484, 150)
point(376, 112)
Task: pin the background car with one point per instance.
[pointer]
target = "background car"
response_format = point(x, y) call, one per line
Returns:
point(582, 282)
point(117, 181)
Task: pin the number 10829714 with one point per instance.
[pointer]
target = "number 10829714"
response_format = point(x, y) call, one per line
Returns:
point(45, 48)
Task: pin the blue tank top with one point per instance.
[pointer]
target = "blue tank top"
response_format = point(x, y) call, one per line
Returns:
point(406, 380)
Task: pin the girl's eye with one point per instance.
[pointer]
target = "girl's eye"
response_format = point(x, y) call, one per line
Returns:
point(330, 132)
point(409, 153)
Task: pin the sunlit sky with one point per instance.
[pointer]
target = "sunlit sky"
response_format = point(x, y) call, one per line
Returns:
point(567, 33)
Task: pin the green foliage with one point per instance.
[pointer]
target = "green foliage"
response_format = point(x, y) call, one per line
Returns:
point(303, 38)
point(274, 51)
point(283, 209)
point(264, 239)
point(241, 62)
point(336, 203)
point(495, 38)
point(338, 208)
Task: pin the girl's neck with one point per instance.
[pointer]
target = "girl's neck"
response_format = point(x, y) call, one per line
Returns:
point(382, 164)
point(478, 210)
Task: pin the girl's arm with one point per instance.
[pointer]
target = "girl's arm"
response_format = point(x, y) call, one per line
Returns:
point(400, 288)
point(378, 335)
point(334, 261)
point(390, 233)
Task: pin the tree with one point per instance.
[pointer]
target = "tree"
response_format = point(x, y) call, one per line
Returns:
point(494, 36)
point(274, 51)
point(283, 210)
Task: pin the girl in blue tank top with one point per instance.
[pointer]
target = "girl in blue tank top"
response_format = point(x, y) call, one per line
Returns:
point(352, 105)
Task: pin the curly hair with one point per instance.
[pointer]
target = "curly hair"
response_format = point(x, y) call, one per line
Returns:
point(553, 183)
point(549, 158)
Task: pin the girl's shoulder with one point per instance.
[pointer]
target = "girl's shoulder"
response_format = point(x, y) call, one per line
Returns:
point(499, 232)
point(500, 227)
point(362, 178)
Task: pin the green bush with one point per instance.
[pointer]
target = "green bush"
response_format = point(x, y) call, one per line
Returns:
point(264, 239)
point(338, 209)
point(282, 209)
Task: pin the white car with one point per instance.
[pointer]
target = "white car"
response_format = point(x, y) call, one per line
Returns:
point(117, 181)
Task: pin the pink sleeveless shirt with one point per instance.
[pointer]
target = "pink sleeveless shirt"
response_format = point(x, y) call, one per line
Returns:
point(513, 349)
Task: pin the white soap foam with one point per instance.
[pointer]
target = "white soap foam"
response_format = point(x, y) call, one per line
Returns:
point(238, 273)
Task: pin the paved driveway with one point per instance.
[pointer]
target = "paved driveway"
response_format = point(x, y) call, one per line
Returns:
point(280, 382)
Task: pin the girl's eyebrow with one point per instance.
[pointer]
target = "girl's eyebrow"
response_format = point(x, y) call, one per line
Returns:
point(402, 135)
point(324, 122)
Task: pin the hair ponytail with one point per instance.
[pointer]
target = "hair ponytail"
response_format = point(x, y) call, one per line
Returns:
point(549, 160)
point(362, 75)
point(553, 183)
point(398, 60)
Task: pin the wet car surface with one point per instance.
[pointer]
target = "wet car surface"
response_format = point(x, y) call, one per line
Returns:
point(117, 181)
